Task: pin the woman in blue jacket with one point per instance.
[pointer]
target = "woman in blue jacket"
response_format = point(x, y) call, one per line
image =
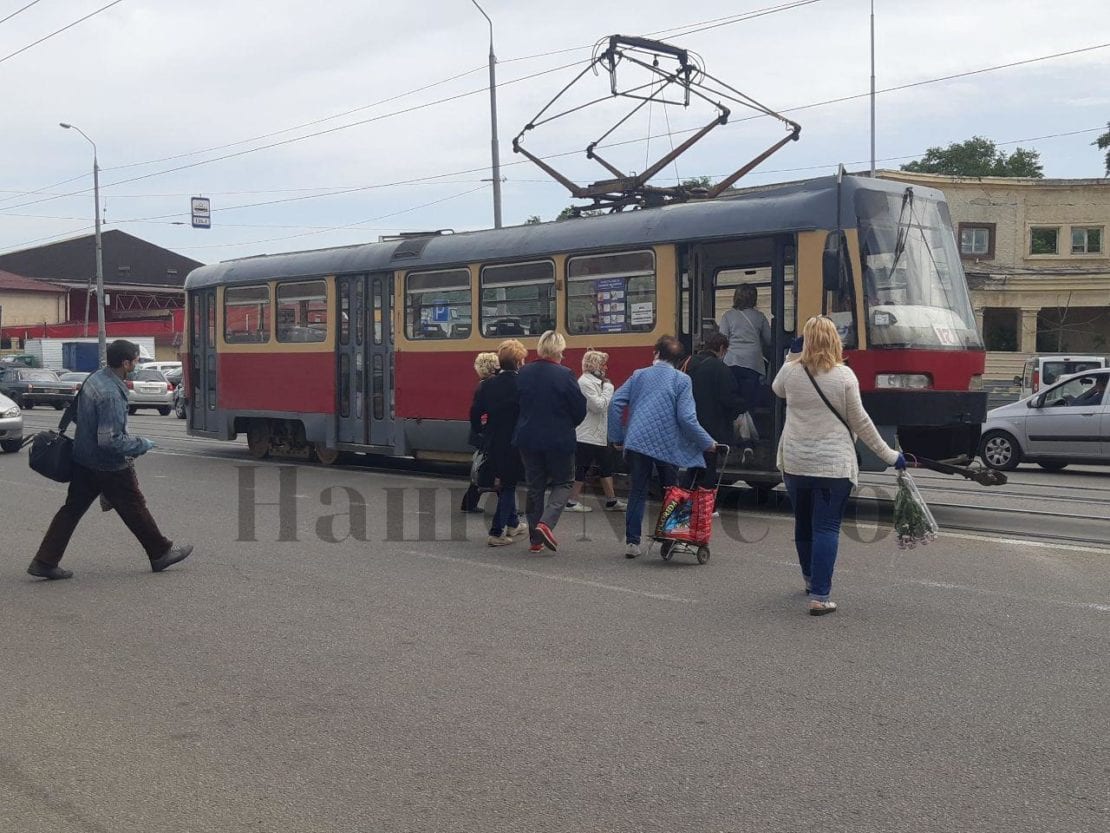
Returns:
point(653, 416)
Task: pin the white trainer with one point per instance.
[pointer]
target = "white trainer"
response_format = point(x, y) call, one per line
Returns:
point(518, 530)
point(616, 506)
point(577, 507)
point(499, 541)
point(632, 551)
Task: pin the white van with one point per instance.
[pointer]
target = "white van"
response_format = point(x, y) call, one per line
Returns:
point(1042, 371)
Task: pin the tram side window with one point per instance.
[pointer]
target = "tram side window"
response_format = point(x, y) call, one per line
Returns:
point(437, 304)
point(518, 299)
point(247, 315)
point(302, 312)
point(613, 293)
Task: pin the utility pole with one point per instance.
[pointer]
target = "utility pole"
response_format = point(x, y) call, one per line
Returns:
point(102, 334)
point(872, 89)
point(494, 148)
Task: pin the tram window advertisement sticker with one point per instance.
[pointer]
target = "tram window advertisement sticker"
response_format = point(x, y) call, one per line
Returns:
point(610, 304)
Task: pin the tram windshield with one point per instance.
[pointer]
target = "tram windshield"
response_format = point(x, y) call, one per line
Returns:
point(912, 275)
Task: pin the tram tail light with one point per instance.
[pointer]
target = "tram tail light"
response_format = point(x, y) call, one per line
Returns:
point(169, 386)
point(130, 384)
point(911, 381)
point(976, 382)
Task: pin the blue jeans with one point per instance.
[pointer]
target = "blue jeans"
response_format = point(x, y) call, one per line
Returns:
point(819, 504)
point(504, 516)
point(639, 473)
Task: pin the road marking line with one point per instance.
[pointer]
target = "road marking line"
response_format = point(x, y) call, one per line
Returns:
point(666, 597)
point(945, 585)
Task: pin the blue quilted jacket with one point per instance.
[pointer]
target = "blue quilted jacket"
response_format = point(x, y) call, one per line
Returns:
point(653, 413)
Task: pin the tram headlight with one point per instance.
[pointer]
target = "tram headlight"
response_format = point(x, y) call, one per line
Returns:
point(976, 383)
point(912, 381)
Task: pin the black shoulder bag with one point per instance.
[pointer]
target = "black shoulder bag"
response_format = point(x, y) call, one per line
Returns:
point(836, 413)
point(51, 452)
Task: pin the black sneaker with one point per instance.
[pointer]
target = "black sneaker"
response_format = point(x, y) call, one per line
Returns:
point(40, 570)
point(172, 556)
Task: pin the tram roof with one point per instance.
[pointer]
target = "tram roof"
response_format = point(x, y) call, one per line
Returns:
point(793, 206)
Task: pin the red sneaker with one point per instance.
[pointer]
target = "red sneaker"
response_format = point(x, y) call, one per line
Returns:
point(535, 548)
point(548, 537)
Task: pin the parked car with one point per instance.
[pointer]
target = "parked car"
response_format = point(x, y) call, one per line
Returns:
point(1066, 423)
point(148, 389)
point(1041, 371)
point(11, 425)
point(74, 377)
point(164, 367)
point(35, 386)
point(179, 402)
point(174, 375)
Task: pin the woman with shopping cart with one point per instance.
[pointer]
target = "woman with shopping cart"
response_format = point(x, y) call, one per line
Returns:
point(817, 452)
point(653, 417)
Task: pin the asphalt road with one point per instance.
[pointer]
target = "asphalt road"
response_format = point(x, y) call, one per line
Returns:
point(422, 681)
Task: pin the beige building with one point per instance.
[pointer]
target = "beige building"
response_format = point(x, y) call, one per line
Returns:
point(29, 302)
point(1037, 261)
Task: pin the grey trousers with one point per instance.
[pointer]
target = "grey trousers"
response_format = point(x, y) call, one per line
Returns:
point(544, 470)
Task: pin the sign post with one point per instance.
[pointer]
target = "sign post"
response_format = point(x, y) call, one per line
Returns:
point(202, 212)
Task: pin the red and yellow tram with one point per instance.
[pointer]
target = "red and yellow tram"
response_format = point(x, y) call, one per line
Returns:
point(369, 348)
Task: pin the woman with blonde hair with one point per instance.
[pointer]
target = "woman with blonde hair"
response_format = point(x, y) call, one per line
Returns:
point(817, 452)
point(497, 402)
point(485, 365)
point(551, 406)
point(592, 447)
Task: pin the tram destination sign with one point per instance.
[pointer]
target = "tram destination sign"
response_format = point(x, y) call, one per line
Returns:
point(202, 212)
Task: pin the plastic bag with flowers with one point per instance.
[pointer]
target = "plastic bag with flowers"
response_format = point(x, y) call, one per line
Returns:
point(913, 522)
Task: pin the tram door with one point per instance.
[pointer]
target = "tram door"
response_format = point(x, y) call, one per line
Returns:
point(202, 359)
point(363, 367)
point(713, 273)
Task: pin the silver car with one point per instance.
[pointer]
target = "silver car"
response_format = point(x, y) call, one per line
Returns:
point(1068, 422)
point(11, 425)
point(148, 389)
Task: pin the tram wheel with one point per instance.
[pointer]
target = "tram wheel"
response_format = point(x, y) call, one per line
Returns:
point(258, 438)
point(324, 455)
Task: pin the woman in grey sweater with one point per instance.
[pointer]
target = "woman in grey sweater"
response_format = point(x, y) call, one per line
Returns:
point(749, 336)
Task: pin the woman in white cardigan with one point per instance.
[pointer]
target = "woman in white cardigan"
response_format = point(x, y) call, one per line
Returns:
point(593, 433)
point(817, 452)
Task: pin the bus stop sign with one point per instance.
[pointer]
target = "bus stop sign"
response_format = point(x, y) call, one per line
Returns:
point(202, 212)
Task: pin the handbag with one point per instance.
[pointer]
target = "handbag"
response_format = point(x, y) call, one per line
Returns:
point(51, 452)
point(481, 470)
point(836, 413)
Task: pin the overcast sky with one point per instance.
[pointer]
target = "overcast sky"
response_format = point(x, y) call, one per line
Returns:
point(152, 80)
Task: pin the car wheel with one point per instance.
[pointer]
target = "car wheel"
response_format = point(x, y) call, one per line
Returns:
point(131, 409)
point(179, 408)
point(1000, 451)
point(1053, 466)
point(11, 446)
point(26, 404)
point(164, 411)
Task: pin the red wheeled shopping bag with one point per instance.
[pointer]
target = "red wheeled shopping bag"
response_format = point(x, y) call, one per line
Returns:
point(687, 515)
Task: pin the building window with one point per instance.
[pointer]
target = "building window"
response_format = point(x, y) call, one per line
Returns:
point(437, 304)
point(1002, 329)
point(247, 315)
point(977, 240)
point(1044, 240)
point(302, 312)
point(1086, 241)
point(518, 299)
point(612, 293)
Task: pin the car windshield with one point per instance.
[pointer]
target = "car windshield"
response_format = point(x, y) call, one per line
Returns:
point(38, 376)
point(148, 376)
point(913, 278)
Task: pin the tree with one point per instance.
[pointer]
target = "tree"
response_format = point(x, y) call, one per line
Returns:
point(698, 182)
point(534, 220)
point(1103, 143)
point(569, 214)
point(977, 157)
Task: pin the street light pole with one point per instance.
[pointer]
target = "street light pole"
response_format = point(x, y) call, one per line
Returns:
point(101, 333)
point(495, 151)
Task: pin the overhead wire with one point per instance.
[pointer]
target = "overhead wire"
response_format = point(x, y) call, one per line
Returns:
point(59, 31)
point(17, 11)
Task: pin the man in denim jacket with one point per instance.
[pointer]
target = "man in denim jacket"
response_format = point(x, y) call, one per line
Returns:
point(102, 465)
